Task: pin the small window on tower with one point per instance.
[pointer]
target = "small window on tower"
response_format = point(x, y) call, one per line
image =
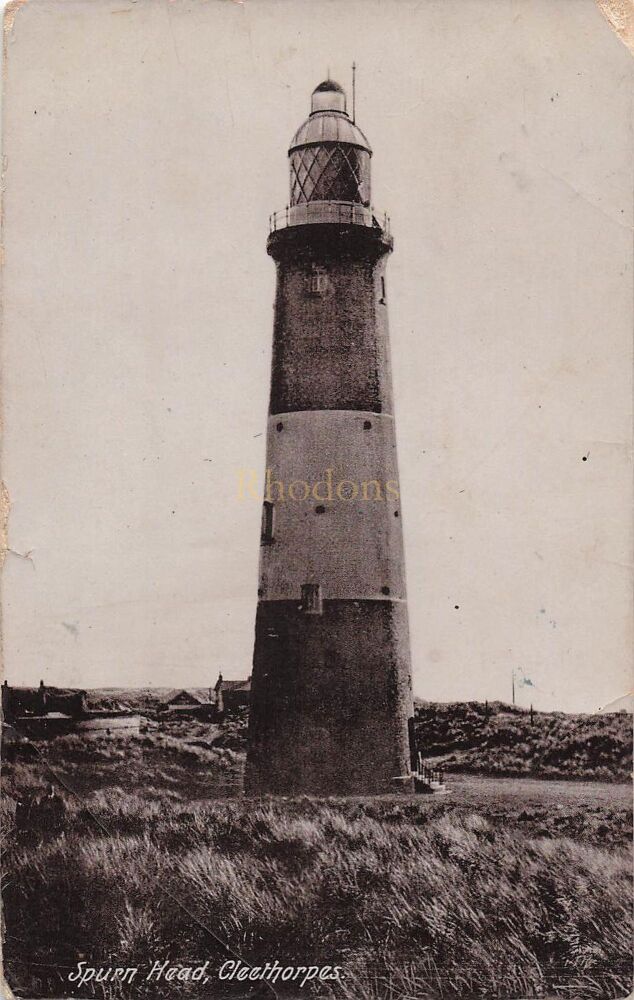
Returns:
point(268, 518)
point(382, 299)
point(311, 599)
point(317, 282)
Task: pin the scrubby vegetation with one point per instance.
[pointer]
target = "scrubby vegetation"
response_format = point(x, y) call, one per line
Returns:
point(491, 738)
point(155, 765)
point(486, 738)
point(500, 739)
point(500, 889)
point(411, 899)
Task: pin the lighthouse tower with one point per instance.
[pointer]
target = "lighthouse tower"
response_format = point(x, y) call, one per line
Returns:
point(331, 690)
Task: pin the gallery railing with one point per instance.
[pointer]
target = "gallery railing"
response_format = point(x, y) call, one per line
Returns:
point(344, 212)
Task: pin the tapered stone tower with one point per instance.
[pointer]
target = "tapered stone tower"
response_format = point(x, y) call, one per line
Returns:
point(331, 689)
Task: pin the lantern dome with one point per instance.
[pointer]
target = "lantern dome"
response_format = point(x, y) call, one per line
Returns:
point(329, 154)
point(328, 96)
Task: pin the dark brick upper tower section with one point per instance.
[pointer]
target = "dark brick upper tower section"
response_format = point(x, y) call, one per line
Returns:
point(331, 690)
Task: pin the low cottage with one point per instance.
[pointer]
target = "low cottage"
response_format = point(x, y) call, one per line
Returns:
point(191, 703)
point(232, 695)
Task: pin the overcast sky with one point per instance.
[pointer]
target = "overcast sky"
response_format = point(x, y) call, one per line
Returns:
point(145, 146)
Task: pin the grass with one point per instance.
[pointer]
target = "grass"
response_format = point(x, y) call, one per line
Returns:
point(482, 738)
point(493, 891)
point(486, 738)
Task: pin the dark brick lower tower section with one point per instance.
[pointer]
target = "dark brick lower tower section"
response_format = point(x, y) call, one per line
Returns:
point(331, 690)
point(331, 699)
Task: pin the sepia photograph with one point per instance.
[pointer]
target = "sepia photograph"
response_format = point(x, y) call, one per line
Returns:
point(317, 500)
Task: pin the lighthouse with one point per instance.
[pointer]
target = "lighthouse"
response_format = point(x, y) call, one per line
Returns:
point(331, 698)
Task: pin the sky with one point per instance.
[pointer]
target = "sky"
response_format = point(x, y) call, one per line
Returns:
point(144, 149)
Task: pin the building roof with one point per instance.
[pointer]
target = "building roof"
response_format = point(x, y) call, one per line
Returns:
point(182, 697)
point(25, 693)
point(188, 696)
point(36, 701)
point(237, 685)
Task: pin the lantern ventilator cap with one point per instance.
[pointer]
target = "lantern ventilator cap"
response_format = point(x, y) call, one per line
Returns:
point(329, 121)
point(328, 96)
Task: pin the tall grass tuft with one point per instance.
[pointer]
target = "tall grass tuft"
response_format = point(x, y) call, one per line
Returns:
point(410, 902)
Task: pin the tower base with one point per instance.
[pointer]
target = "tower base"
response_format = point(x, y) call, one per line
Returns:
point(331, 699)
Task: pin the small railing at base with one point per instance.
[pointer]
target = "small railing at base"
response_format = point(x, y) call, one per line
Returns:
point(429, 775)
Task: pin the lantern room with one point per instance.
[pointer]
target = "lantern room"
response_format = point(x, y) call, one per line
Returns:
point(329, 155)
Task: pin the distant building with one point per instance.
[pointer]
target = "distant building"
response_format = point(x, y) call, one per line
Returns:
point(44, 712)
point(191, 703)
point(41, 701)
point(232, 695)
